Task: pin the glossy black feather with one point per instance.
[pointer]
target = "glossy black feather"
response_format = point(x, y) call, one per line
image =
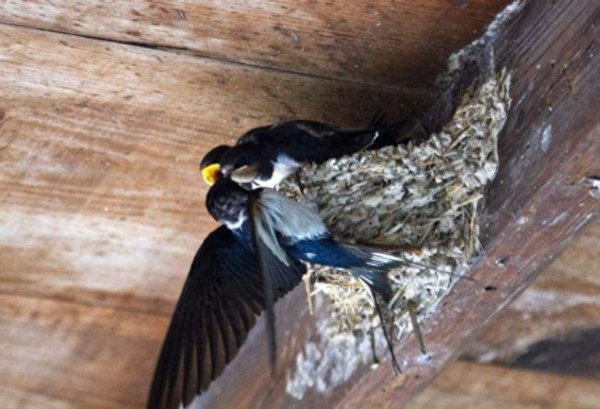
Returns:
point(218, 306)
point(314, 141)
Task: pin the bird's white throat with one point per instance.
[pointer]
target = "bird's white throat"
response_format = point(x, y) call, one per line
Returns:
point(283, 167)
point(238, 223)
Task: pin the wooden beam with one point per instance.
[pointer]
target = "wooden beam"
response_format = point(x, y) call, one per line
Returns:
point(476, 386)
point(564, 300)
point(100, 199)
point(541, 198)
point(397, 43)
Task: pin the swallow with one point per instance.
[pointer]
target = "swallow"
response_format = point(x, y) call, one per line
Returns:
point(225, 291)
point(285, 233)
point(239, 271)
point(266, 155)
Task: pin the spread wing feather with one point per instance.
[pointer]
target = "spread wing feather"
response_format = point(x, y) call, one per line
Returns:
point(218, 306)
point(278, 270)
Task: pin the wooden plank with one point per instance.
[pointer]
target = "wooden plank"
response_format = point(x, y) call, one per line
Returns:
point(65, 133)
point(563, 300)
point(21, 399)
point(101, 200)
point(399, 43)
point(61, 355)
point(475, 386)
point(540, 199)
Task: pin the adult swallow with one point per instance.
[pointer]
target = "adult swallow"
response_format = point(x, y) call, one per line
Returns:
point(284, 233)
point(223, 294)
point(266, 155)
point(240, 270)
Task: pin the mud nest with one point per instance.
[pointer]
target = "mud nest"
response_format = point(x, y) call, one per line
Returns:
point(418, 201)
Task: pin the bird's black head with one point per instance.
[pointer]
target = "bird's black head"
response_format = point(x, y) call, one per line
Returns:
point(227, 202)
point(209, 165)
point(246, 162)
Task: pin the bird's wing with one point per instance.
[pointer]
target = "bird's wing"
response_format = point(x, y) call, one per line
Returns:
point(286, 132)
point(278, 269)
point(218, 306)
point(254, 135)
point(314, 128)
point(289, 218)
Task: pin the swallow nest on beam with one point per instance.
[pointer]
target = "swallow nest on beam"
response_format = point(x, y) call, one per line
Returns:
point(420, 200)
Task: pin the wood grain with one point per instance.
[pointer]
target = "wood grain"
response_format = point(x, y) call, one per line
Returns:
point(62, 355)
point(564, 299)
point(475, 386)
point(400, 43)
point(101, 199)
point(101, 204)
point(539, 201)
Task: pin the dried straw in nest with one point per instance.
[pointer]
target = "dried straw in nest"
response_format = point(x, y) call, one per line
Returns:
point(420, 201)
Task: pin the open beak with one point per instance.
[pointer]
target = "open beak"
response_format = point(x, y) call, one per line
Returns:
point(245, 174)
point(211, 173)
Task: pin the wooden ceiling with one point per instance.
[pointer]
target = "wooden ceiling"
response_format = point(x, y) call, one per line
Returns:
point(105, 111)
point(400, 43)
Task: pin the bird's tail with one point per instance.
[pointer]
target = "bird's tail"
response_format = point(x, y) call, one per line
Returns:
point(376, 279)
point(384, 261)
point(373, 269)
point(387, 333)
point(374, 274)
point(376, 264)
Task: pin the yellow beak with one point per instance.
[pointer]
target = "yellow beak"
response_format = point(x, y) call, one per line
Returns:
point(210, 174)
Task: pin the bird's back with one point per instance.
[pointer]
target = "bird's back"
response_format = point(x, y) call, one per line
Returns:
point(311, 141)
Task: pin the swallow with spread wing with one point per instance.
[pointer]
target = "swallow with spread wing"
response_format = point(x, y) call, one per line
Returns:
point(240, 270)
point(221, 298)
